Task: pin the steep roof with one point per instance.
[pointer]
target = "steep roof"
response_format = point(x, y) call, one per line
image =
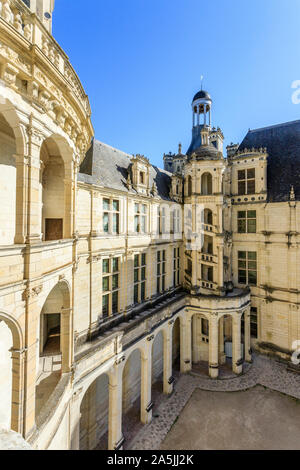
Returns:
point(283, 146)
point(108, 167)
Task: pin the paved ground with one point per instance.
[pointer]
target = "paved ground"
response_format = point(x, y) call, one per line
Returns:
point(265, 372)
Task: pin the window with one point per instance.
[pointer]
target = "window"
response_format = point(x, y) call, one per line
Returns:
point(204, 327)
point(246, 221)
point(161, 271)
point(246, 181)
point(140, 214)
point(175, 221)
point(139, 278)
point(111, 216)
point(161, 220)
point(176, 267)
point(142, 177)
point(253, 322)
point(247, 267)
point(110, 286)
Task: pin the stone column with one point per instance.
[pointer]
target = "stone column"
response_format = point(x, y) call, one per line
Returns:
point(34, 197)
point(222, 356)
point(168, 382)
point(115, 436)
point(69, 188)
point(185, 344)
point(21, 198)
point(247, 335)
point(146, 381)
point(213, 346)
point(66, 339)
point(18, 359)
point(237, 361)
point(75, 416)
point(196, 326)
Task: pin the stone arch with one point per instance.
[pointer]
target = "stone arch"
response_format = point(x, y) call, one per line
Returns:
point(56, 187)
point(200, 337)
point(206, 183)
point(131, 390)
point(11, 372)
point(176, 343)
point(158, 361)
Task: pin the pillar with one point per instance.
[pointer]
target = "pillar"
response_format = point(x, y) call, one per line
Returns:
point(247, 335)
point(146, 381)
point(222, 356)
point(115, 436)
point(66, 339)
point(21, 197)
point(213, 346)
point(168, 379)
point(69, 189)
point(18, 359)
point(196, 326)
point(237, 361)
point(34, 203)
point(185, 344)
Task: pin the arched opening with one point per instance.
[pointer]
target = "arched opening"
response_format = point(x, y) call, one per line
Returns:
point(94, 415)
point(6, 343)
point(56, 193)
point(176, 345)
point(206, 184)
point(200, 343)
point(208, 217)
point(8, 183)
point(54, 343)
point(157, 365)
point(131, 396)
point(208, 245)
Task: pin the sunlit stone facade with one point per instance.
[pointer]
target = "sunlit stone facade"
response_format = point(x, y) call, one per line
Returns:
point(112, 269)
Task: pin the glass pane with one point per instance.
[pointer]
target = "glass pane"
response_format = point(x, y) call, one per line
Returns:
point(136, 275)
point(241, 214)
point(252, 265)
point(116, 206)
point(241, 225)
point(158, 256)
point(158, 269)
point(251, 214)
point(158, 285)
point(242, 187)
point(115, 223)
point(143, 291)
point(105, 222)
point(163, 267)
point(164, 255)
point(252, 226)
point(251, 173)
point(115, 281)
point(163, 283)
point(242, 264)
point(143, 259)
point(143, 275)
point(241, 174)
point(115, 265)
point(242, 277)
point(105, 266)
point(136, 293)
point(106, 206)
point(105, 305)
point(105, 284)
point(136, 261)
point(251, 187)
point(252, 277)
point(144, 208)
point(136, 223)
point(251, 254)
point(143, 224)
point(115, 298)
point(242, 254)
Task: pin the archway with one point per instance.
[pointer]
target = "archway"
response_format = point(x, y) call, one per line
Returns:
point(6, 344)
point(131, 396)
point(94, 415)
point(208, 217)
point(56, 186)
point(55, 343)
point(200, 343)
point(206, 184)
point(8, 183)
point(176, 345)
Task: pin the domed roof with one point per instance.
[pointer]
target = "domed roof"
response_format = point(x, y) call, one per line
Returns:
point(202, 94)
point(206, 152)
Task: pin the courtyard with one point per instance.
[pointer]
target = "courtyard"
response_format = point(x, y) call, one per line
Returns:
point(259, 410)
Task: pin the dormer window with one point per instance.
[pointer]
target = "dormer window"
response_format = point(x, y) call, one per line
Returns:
point(140, 168)
point(246, 181)
point(142, 177)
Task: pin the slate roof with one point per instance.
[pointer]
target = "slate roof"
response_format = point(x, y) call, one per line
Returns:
point(108, 167)
point(201, 94)
point(283, 146)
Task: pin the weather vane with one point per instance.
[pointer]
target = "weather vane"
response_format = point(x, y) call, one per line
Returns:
point(201, 81)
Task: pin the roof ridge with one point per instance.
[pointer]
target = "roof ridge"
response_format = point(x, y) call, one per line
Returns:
point(112, 148)
point(288, 123)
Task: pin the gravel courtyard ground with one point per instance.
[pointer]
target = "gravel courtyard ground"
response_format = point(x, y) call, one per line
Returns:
point(258, 410)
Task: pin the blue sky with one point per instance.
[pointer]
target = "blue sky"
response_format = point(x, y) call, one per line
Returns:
point(140, 62)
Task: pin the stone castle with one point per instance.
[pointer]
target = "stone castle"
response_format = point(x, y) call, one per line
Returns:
point(115, 272)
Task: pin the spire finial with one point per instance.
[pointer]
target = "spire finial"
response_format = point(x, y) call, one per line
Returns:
point(292, 193)
point(179, 148)
point(202, 82)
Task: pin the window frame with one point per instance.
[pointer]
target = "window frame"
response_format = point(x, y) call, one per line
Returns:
point(139, 283)
point(247, 219)
point(245, 265)
point(110, 275)
point(161, 274)
point(246, 181)
point(109, 214)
